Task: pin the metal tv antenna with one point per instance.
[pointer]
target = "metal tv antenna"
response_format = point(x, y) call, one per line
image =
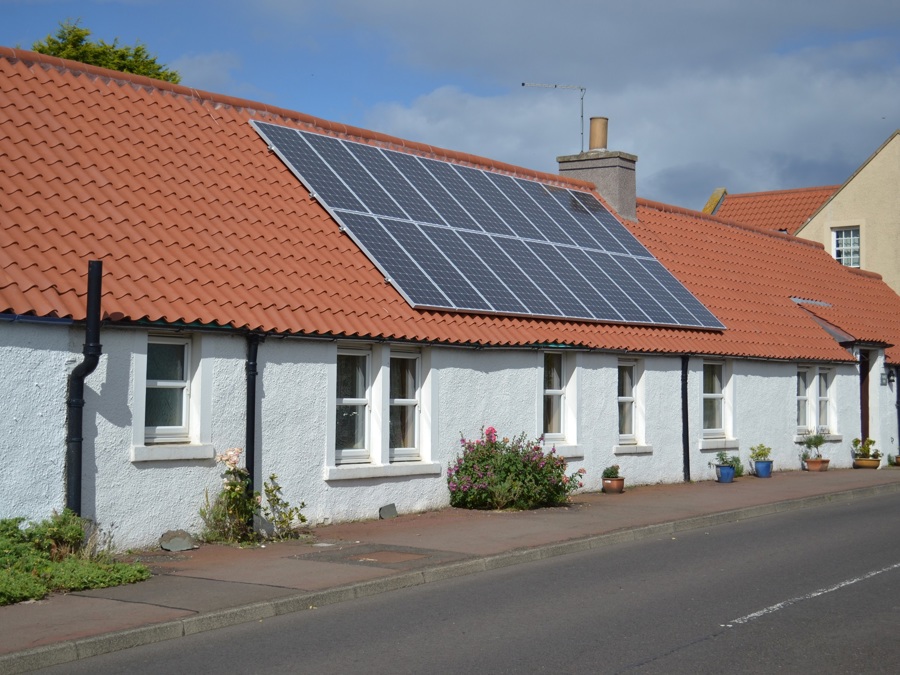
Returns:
point(565, 86)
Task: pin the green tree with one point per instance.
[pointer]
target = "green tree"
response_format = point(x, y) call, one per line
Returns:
point(71, 42)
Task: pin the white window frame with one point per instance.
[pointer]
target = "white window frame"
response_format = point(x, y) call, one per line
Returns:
point(407, 454)
point(560, 394)
point(802, 392)
point(191, 440)
point(364, 454)
point(820, 408)
point(629, 399)
point(847, 248)
point(171, 434)
point(720, 397)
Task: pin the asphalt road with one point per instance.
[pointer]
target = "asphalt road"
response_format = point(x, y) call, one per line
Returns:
point(814, 590)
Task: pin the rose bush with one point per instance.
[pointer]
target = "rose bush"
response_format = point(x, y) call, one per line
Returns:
point(495, 473)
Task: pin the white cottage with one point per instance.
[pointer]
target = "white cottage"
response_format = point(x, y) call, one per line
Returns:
point(237, 308)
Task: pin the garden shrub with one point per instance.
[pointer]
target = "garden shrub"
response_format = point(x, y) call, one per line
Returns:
point(60, 553)
point(493, 473)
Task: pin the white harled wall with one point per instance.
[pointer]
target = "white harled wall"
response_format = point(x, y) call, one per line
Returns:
point(463, 391)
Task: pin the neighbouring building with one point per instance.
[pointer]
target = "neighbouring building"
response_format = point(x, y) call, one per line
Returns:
point(857, 222)
point(344, 304)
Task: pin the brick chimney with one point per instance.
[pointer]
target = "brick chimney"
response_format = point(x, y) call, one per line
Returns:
point(611, 171)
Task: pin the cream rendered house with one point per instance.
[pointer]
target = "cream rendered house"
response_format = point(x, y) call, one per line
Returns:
point(860, 224)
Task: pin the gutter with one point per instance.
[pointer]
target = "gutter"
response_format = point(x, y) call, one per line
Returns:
point(75, 399)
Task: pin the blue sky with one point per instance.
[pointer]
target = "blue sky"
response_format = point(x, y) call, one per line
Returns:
point(766, 95)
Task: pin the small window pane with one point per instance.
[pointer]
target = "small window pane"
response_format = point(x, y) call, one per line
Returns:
point(626, 380)
point(164, 407)
point(351, 376)
point(823, 385)
point(712, 413)
point(552, 414)
point(350, 430)
point(552, 371)
point(403, 426)
point(165, 361)
point(712, 378)
point(403, 378)
point(626, 420)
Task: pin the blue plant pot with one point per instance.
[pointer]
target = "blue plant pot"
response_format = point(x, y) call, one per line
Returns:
point(763, 468)
point(724, 473)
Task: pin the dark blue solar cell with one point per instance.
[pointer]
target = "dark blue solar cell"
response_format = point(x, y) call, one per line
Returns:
point(310, 168)
point(355, 176)
point(602, 239)
point(659, 292)
point(393, 181)
point(397, 266)
point(515, 279)
point(514, 190)
point(500, 203)
point(616, 230)
point(474, 205)
point(544, 278)
point(477, 271)
point(600, 277)
point(702, 316)
point(567, 230)
point(565, 271)
point(444, 275)
point(631, 289)
point(433, 192)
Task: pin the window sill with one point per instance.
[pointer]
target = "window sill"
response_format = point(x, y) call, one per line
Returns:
point(172, 452)
point(632, 449)
point(719, 444)
point(829, 438)
point(566, 451)
point(358, 471)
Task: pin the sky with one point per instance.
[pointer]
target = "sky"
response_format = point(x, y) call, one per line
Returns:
point(750, 96)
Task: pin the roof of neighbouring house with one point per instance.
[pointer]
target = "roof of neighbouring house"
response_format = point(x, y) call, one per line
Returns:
point(778, 210)
point(197, 222)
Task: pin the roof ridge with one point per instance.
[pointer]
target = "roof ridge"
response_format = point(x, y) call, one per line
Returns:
point(680, 210)
point(339, 128)
point(782, 192)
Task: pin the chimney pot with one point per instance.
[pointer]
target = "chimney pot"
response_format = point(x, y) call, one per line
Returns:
point(599, 133)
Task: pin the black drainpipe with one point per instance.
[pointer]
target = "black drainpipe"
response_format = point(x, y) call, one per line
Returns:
point(685, 418)
point(897, 389)
point(75, 399)
point(253, 341)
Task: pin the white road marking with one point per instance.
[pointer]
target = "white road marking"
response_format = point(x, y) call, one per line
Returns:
point(810, 596)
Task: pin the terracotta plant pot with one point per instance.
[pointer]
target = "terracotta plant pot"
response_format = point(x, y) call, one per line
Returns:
point(817, 464)
point(613, 486)
point(866, 463)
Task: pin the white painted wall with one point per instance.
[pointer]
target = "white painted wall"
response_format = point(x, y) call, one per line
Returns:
point(464, 390)
point(32, 418)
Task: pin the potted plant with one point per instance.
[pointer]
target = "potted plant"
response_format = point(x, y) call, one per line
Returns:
point(865, 454)
point(762, 465)
point(727, 468)
point(613, 483)
point(811, 456)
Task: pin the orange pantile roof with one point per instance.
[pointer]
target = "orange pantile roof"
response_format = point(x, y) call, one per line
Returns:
point(779, 210)
point(197, 222)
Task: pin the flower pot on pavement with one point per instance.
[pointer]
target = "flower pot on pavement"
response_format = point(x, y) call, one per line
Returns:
point(613, 486)
point(866, 463)
point(763, 468)
point(724, 473)
point(817, 464)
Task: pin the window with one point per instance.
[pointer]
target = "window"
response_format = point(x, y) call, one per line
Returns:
point(554, 393)
point(167, 399)
point(171, 414)
point(846, 246)
point(713, 400)
point(814, 404)
point(626, 401)
point(404, 407)
point(352, 411)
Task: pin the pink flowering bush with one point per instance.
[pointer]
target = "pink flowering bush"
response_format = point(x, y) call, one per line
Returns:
point(495, 473)
point(231, 515)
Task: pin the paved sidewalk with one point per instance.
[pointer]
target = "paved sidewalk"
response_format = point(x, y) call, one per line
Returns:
point(216, 586)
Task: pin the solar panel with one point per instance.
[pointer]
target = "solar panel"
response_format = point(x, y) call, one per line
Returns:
point(460, 238)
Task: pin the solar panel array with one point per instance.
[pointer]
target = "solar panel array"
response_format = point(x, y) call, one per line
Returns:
point(449, 236)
